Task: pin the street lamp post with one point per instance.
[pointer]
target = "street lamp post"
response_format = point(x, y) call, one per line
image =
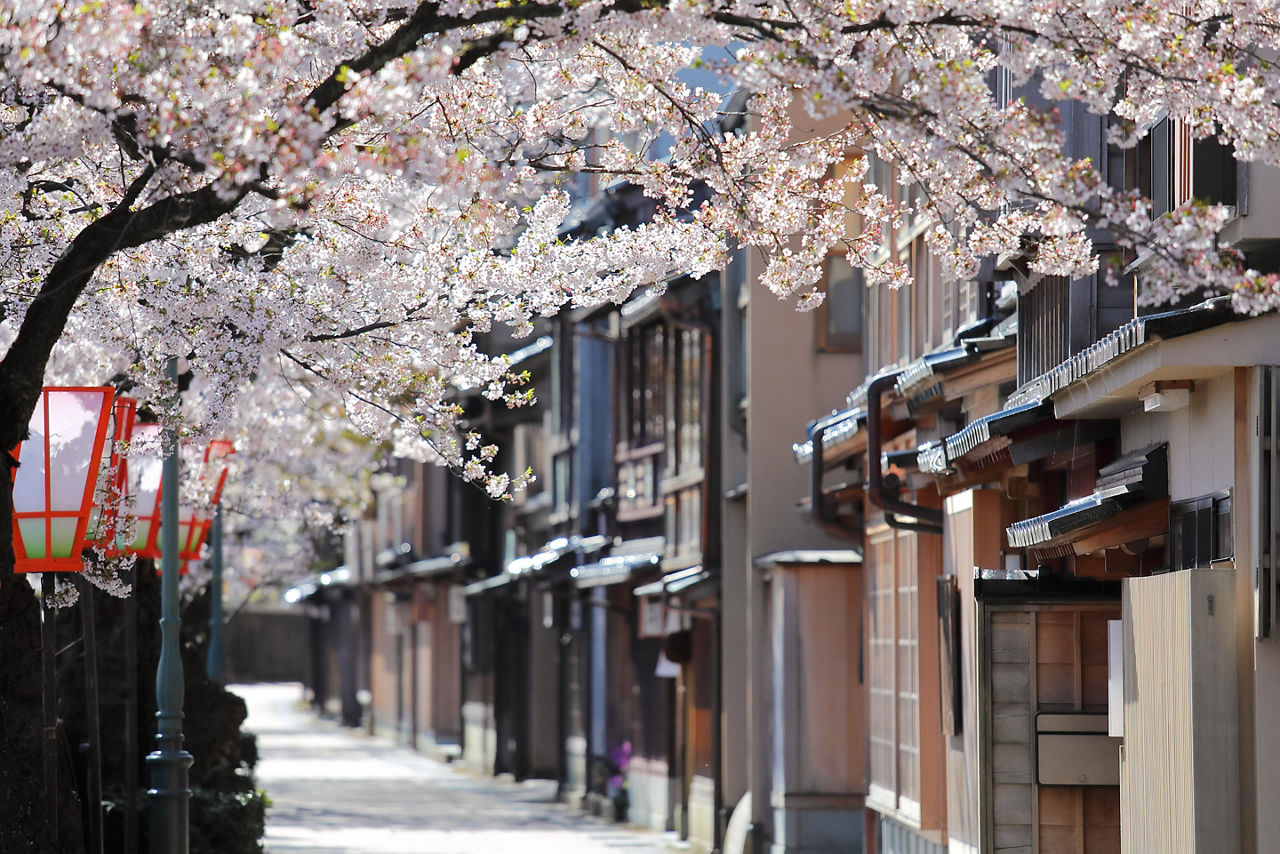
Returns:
point(216, 664)
point(173, 533)
point(52, 503)
point(170, 791)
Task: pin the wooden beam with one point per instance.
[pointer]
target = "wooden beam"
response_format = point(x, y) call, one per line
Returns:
point(1136, 523)
point(1157, 386)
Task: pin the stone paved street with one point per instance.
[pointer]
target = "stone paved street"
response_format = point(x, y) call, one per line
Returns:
point(337, 791)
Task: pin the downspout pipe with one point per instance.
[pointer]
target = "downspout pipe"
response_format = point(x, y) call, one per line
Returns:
point(817, 501)
point(928, 520)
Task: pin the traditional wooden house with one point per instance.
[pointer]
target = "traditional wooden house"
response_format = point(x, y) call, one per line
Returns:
point(1061, 542)
point(652, 600)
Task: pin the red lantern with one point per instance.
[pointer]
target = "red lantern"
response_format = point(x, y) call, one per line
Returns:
point(194, 518)
point(144, 486)
point(54, 482)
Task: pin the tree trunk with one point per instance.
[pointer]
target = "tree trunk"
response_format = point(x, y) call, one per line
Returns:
point(23, 825)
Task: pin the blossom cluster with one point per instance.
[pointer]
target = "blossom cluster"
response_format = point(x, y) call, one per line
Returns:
point(324, 205)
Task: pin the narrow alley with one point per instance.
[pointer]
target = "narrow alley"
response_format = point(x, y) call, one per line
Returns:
point(339, 791)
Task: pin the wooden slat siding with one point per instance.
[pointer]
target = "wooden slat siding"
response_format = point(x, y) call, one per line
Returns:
point(1243, 538)
point(908, 766)
point(933, 758)
point(1012, 819)
point(908, 678)
point(1044, 327)
point(1179, 774)
point(1056, 661)
point(1101, 814)
point(881, 670)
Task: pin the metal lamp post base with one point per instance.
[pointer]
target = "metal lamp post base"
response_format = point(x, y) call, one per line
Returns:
point(169, 799)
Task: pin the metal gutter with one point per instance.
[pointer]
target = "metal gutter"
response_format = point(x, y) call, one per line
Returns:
point(612, 569)
point(818, 511)
point(937, 457)
point(920, 380)
point(836, 427)
point(1130, 336)
point(928, 520)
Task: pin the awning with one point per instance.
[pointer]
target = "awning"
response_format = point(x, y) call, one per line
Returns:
point(612, 569)
point(1011, 437)
point(809, 557)
point(922, 380)
point(673, 582)
point(1130, 336)
point(553, 550)
point(689, 585)
point(988, 427)
point(693, 585)
point(1126, 486)
point(339, 577)
point(919, 381)
point(625, 559)
point(642, 306)
point(425, 568)
point(541, 345)
point(396, 556)
point(552, 564)
point(500, 580)
point(840, 426)
point(532, 563)
point(527, 566)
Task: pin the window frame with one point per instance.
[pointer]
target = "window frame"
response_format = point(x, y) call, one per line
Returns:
point(1216, 507)
point(840, 342)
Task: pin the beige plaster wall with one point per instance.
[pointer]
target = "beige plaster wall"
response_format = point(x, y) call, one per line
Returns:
point(788, 383)
point(817, 614)
point(382, 674)
point(1200, 436)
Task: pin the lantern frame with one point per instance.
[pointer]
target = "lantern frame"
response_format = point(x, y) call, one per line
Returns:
point(73, 561)
point(109, 524)
point(195, 520)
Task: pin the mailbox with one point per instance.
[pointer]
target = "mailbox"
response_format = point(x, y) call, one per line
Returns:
point(1073, 749)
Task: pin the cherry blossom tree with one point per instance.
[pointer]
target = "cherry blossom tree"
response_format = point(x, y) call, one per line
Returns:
point(356, 189)
point(348, 191)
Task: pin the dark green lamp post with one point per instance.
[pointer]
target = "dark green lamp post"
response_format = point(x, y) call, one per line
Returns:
point(216, 663)
point(170, 792)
